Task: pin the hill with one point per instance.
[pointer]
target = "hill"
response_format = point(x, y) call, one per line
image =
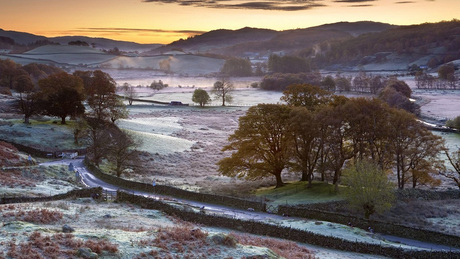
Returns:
point(247, 41)
point(18, 40)
point(21, 38)
point(344, 46)
point(106, 44)
point(429, 44)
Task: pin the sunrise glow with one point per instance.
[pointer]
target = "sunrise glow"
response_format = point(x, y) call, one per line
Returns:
point(159, 21)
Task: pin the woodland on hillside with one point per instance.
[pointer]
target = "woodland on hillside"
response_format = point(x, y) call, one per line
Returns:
point(442, 40)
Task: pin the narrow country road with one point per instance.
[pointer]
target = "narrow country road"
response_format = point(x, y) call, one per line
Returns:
point(90, 180)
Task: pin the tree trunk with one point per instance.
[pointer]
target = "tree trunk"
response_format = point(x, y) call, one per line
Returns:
point(279, 181)
point(304, 177)
point(26, 120)
point(398, 171)
point(63, 120)
point(336, 176)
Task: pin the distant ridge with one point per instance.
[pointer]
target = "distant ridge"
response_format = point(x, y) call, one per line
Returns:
point(23, 38)
point(238, 42)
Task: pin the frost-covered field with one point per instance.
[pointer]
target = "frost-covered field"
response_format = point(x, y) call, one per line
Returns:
point(74, 55)
point(206, 130)
point(132, 232)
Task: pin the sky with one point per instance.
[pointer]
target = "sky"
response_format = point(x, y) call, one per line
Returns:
point(164, 21)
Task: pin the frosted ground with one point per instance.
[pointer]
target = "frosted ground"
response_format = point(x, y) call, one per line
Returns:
point(130, 227)
point(186, 142)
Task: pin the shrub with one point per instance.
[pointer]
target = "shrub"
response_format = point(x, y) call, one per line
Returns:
point(59, 245)
point(285, 249)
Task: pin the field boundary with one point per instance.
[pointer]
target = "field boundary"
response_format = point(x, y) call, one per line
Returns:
point(264, 229)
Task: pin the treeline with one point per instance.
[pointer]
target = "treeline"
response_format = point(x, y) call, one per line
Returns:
point(317, 133)
point(45, 90)
point(412, 40)
point(11, 44)
point(388, 88)
point(446, 79)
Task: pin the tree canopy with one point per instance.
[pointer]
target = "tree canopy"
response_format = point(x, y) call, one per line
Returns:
point(237, 67)
point(368, 188)
point(62, 95)
point(222, 90)
point(201, 97)
point(260, 144)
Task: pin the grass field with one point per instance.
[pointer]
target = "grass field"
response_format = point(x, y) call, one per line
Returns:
point(297, 192)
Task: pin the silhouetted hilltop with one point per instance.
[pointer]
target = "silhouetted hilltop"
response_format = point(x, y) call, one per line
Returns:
point(250, 41)
point(428, 44)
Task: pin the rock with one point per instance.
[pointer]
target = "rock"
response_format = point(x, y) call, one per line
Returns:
point(107, 216)
point(223, 239)
point(86, 252)
point(67, 229)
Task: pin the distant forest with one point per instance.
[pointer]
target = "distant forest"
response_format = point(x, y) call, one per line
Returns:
point(442, 40)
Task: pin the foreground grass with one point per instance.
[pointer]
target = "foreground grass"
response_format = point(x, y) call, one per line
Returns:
point(294, 193)
point(111, 230)
point(44, 134)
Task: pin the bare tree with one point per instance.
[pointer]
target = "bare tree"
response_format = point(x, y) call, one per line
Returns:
point(454, 159)
point(80, 129)
point(130, 94)
point(222, 90)
point(123, 150)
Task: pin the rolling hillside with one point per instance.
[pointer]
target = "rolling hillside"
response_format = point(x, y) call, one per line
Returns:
point(65, 55)
point(340, 46)
point(430, 44)
point(20, 41)
point(247, 41)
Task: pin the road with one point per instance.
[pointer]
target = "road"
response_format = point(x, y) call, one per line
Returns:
point(90, 180)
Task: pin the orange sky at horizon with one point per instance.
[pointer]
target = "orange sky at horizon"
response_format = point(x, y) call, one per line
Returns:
point(164, 21)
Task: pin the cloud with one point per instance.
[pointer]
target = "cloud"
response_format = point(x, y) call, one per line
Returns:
point(354, 1)
point(283, 5)
point(135, 30)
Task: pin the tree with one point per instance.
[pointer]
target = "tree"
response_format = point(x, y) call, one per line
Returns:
point(367, 129)
point(337, 148)
point(86, 77)
point(261, 144)
point(308, 141)
point(343, 83)
point(118, 110)
point(454, 159)
point(62, 94)
point(423, 158)
point(201, 97)
point(222, 90)
point(414, 147)
point(237, 67)
point(9, 71)
point(28, 97)
point(305, 95)
point(122, 150)
point(130, 93)
point(454, 123)
point(398, 100)
point(328, 83)
point(101, 94)
point(100, 137)
point(446, 72)
point(287, 64)
point(80, 129)
point(368, 188)
point(400, 86)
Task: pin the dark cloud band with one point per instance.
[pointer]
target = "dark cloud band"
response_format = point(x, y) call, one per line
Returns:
point(283, 5)
point(131, 30)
